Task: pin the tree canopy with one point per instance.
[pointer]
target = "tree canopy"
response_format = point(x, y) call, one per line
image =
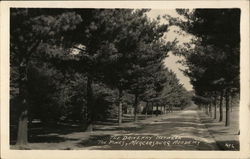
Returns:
point(79, 65)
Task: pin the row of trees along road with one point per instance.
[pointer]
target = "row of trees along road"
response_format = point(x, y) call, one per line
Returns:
point(77, 65)
point(212, 58)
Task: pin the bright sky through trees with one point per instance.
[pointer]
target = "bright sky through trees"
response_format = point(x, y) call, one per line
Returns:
point(171, 61)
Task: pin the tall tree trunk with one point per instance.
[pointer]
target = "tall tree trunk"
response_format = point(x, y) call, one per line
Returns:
point(199, 107)
point(22, 132)
point(120, 108)
point(207, 109)
point(227, 123)
point(157, 109)
point(231, 103)
point(210, 109)
point(135, 107)
point(90, 119)
point(152, 109)
point(215, 107)
point(221, 106)
point(85, 115)
point(146, 111)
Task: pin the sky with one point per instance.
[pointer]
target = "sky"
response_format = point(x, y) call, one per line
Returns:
point(171, 60)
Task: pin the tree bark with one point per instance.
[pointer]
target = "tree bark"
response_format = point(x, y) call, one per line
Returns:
point(207, 109)
point(210, 109)
point(85, 115)
point(146, 111)
point(231, 103)
point(90, 118)
point(152, 103)
point(221, 106)
point(135, 107)
point(227, 123)
point(215, 107)
point(120, 108)
point(22, 132)
point(157, 109)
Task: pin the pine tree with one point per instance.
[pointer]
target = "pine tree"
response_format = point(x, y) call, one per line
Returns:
point(32, 29)
point(214, 62)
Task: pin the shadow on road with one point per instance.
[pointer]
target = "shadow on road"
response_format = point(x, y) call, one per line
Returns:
point(187, 125)
point(226, 137)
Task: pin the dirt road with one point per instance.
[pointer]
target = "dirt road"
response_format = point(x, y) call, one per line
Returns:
point(182, 130)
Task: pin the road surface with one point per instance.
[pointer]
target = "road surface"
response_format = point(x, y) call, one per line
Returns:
point(182, 130)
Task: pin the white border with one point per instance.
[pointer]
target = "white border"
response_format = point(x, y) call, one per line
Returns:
point(60, 154)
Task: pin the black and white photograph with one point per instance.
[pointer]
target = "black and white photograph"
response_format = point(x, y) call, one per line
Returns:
point(131, 79)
